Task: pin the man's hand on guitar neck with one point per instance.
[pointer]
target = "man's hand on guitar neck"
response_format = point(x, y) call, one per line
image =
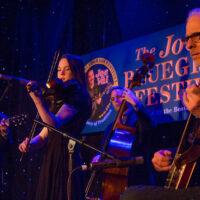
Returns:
point(162, 160)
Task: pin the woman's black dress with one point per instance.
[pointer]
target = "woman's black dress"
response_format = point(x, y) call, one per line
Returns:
point(54, 172)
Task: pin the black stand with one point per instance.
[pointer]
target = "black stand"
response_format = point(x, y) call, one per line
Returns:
point(66, 135)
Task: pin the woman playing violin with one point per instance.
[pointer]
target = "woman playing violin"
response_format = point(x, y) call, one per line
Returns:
point(69, 114)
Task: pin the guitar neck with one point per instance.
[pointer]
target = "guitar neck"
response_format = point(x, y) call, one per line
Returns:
point(17, 120)
point(178, 178)
point(180, 148)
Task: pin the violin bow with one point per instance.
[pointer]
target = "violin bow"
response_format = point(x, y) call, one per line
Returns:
point(32, 131)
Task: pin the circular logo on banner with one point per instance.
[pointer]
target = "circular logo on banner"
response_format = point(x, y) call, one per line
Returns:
point(100, 76)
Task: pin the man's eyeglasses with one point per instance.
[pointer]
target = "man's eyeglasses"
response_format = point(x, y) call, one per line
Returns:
point(115, 98)
point(195, 37)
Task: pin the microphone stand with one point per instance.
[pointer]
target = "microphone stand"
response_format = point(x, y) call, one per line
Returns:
point(67, 135)
point(71, 144)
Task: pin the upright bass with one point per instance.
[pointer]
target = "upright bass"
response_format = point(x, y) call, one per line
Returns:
point(116, 179)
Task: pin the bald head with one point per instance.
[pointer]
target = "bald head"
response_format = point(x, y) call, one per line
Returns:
point(193, 12)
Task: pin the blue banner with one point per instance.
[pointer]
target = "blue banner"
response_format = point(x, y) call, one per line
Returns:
point(116, 65)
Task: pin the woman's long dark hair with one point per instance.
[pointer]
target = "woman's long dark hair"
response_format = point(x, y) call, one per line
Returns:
point(77, 68)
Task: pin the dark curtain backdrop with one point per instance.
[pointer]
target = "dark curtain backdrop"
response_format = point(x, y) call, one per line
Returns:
point(32, 30)
point(95, 25)
point(101, 23)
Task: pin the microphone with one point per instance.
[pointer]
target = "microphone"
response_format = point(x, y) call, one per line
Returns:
point(9, 78)
point(114, 163)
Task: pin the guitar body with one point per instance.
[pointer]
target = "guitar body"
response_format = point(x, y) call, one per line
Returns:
point(180, 178)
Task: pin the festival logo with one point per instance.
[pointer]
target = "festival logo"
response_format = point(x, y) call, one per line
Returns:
point(101, 76)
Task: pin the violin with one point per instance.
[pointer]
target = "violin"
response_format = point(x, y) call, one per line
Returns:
point(57, 89)
point(52, 91)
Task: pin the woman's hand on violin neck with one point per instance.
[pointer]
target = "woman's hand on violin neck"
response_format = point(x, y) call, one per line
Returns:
point(34, 91)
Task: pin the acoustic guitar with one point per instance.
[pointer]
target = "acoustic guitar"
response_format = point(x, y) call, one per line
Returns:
point(179, 176)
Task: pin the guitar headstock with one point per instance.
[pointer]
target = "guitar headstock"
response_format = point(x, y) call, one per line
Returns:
point(149, 61)
point(17, 120)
